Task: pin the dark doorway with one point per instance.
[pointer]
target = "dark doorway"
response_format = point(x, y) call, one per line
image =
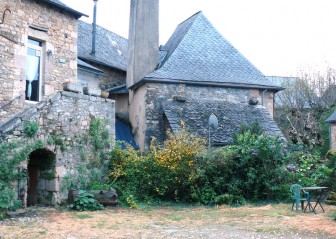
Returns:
point(41, 167)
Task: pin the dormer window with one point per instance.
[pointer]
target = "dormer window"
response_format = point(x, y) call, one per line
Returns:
point(34, 70)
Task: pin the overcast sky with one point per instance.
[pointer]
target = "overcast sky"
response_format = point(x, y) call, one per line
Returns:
point(278, 36)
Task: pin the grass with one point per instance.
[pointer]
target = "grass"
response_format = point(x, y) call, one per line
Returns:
point(161, 220)
point(82, 216)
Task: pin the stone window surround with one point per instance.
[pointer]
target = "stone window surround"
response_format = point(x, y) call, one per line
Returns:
point(41, 67)
point(40, 35)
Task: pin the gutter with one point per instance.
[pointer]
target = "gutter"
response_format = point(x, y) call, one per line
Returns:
point(101, 63)
point(91, 71)
point(202, 83)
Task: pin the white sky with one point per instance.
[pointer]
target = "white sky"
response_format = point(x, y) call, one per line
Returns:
point(278, 36)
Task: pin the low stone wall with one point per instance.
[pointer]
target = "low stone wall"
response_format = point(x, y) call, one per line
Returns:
point(66, 116)
point(65, 113)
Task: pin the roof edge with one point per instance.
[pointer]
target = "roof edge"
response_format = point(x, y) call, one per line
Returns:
point(90, 70)
point(190, 17)
point(219, 84)
point(66, 8)
point(100, 62)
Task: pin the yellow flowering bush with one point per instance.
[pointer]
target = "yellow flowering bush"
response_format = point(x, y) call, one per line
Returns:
point(177, 161)
point(164, 172)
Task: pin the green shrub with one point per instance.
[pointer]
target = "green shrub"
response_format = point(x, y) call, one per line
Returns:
point(308, 169)
point(86, 202)
point(229, 199)
point(331, 164)
point(256, 167)
point(164, 172)
point(252, 169)
point(30, 128)
point(99, 135)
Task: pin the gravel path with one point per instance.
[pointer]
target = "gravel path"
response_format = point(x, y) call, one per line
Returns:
point(198, 222)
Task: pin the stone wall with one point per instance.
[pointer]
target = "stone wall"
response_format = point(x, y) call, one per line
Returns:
point(56, 29)
point(158, 93)
point(66, 115)
point(333, 135)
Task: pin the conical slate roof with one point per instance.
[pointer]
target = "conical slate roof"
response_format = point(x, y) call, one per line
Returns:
point(198, 53)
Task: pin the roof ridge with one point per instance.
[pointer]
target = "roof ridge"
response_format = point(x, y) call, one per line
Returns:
point(199, 12)
point(170, 43)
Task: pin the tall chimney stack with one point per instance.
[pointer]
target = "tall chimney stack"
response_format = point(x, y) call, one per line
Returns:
point(94, 27)
point(143, 40)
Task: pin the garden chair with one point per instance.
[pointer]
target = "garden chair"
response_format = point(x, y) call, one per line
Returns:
point(299, 196)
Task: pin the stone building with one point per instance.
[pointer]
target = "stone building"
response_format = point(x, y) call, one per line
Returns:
point(332, 130)
point(110, 57)
point(196, 73)
point(38, 52)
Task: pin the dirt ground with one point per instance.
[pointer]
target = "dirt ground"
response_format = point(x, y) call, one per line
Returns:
point(267, 221)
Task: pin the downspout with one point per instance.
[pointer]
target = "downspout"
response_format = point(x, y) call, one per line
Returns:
point(94, 28)
point(263, 97)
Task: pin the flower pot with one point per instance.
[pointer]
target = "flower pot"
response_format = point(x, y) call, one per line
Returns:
point(105, 94)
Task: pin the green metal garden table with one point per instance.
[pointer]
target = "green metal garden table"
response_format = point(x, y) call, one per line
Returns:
point(317, 195)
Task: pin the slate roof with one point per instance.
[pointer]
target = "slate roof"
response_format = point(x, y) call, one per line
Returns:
point(231, 116)
point(198, 53)
point(331, 118)
point(61, 5)
point(111, 49)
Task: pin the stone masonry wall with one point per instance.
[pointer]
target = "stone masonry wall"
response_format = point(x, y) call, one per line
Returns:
point(158, 93)
point(66, 115)
point(50, 25)
point(113, 77)
point(333, 135)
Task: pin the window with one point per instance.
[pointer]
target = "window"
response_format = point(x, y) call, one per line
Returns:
point(33, 70)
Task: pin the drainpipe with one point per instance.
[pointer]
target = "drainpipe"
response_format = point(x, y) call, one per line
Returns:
point(94, 27)
point(263, 97)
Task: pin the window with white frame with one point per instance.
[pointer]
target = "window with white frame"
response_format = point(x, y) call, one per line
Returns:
point(34, 70)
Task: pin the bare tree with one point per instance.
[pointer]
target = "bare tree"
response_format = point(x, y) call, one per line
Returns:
point(299, 107)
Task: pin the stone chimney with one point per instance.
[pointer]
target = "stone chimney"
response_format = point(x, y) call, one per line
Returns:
point(143, 40)
point(94, 27)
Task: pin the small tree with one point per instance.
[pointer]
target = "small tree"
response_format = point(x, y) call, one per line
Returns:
point(299, 108)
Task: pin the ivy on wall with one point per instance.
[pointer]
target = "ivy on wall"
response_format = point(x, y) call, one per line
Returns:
point(11, 155)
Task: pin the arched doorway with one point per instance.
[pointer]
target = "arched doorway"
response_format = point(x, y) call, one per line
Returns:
point(41, 177)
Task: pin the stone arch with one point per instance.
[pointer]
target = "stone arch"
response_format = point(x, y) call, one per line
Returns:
point(42, 184)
